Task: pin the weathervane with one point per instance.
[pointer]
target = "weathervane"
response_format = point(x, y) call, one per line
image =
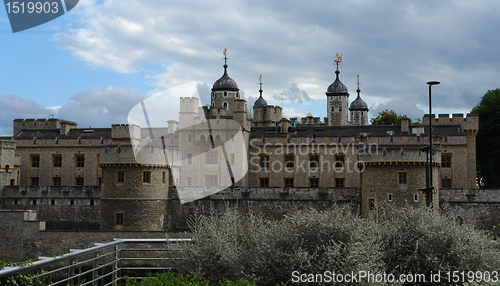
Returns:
point(225, 58)
point(338, 59)
point(261, 83)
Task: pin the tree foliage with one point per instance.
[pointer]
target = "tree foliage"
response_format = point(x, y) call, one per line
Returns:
point(390, 117)
point(487, 152)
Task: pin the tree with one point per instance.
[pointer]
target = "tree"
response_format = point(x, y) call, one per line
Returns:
point(487, 152)
point(390, 117)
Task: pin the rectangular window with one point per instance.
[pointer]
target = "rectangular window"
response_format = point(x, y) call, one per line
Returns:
point(314, 182)
point(79, 181)
point(289, 161)
point(403, 178)
point(339, 182)
point(189, 181)
point(212, 157)
point(119, 219)
point(446, 183)
point(313, 161)
point(371, 204)
point(288, 182)
point(389, 197)
point(211, 180)
point(35, 161)
point(57, 161)
point(33, 202)
point(264, 162)
point(120, 177)
point(80, 161)
point(56, 181)
point(189, 158)
point(232, 155)
point(164, 178)
point(34, 181)
point(264, 182)
point(339, 161)
point(52, 202)
point(99, 181)
point(189, 138)
point(446, 161)
point(146, 177)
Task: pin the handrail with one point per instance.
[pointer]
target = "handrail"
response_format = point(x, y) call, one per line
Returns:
point(8, 271)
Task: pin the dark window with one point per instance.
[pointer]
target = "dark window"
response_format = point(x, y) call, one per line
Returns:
point(35, 181)
point(339, 182)
point(56, 181)
point(72, 202)
point(35, 161)
point(446, 183)
point(99, 181)
point(80, 161)
point(313, 161)
point(189, 138)
point(33, 202)
point(91, 202)
point(371, 204)
point(164, 177)
point(389, 197)
point(289, 182)
point(403, 178)
point(146, 177)
point(52, 202)
point(264, 161)
point(119, 219)
point(79, 181)
point(189, 158)
point(314, 182)
point(12, 182)
point(211, 180)
point(339, 161)
point(212, 157)
point(264, 182)
point(289, 161)
point(121, 177)
point(57, 161)
point(446, 161)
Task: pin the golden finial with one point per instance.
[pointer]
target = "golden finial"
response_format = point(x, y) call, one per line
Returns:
point(309, 114)
point(260, 78)
point(225, 52)
point(357, 78)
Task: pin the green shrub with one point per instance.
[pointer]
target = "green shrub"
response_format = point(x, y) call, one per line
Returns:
point(406, 240)
point(420, 240)
point(170, 279)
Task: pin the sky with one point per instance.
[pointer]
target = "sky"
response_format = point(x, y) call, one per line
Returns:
point(96, 62)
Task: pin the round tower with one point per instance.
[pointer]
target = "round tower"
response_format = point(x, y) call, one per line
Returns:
point(359, 109)
point(337, 98)
point(225, 90)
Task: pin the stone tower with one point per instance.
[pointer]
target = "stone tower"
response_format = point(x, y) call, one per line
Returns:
point(337, 97)
point(359, 110)
point(264, 114)
point(224, 91)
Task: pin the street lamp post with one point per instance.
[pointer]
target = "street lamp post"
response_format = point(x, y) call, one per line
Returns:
point(428, 174)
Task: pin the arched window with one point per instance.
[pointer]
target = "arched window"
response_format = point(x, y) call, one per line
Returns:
point(12, 182)
point(224, 105)
point(225, 93)
point(7, 168)
point(333, 108)
point(202, 139)
point(340, 109)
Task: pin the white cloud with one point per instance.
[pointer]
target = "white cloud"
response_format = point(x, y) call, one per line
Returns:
point(396, 47)
point(13, 107)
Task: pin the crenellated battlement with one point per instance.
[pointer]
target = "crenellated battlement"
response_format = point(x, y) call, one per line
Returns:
point(189, 104)
point(469, 122)
point(53, 123)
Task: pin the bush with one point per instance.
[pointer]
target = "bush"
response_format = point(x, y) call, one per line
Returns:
point(169, 279)
point(408, 240)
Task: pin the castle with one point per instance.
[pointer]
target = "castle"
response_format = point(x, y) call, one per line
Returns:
point(90, 180)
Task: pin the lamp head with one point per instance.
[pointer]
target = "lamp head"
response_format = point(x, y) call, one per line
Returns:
point(433, 82)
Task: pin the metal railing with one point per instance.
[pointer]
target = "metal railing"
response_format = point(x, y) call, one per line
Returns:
point(103, 264)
